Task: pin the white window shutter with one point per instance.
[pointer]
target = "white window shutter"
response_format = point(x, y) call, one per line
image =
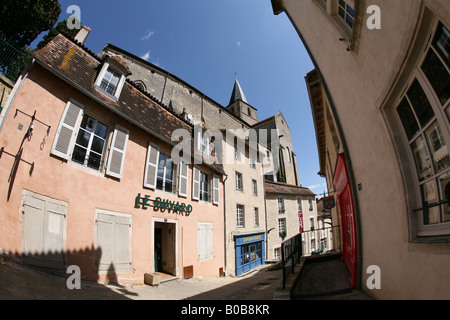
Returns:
point(67, 130)
point(184, 179)
point(117, 152)
point(216, 189)
point(205, 241)
point(151, 166)
point(196, 184)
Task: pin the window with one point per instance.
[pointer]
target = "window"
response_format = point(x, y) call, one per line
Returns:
point(281, 205)
point(205, 241)
point(240, 221)
point(311, 223)
point(110, 80)
point(113, 232)
point(90, 143)
point(252, 162)
point(255, 187)
point(299, 205)
point(82, 139)
point(282, 226)
point(256, 217)
point(165, 179)
point(310, 203)
point(277, 253)
point(204, 187)
point(424, 112)
point(239, 185)
point(346, 12)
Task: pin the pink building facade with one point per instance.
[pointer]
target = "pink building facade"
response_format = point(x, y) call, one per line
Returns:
point(89, 178)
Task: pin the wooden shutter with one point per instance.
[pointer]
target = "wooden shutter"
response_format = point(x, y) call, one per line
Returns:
point(196, 184)
point(122, 257)
point(205, 241)
point(34, 218)
point(117, 152)
point(67, 130)
point(113, 242)
point(44, 231)
point(54, 235)
point(151, 167)
point(183, 180)
point(105, 244)
point(216, 189)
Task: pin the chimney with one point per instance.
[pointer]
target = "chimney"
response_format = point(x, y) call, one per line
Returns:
point(82, 34)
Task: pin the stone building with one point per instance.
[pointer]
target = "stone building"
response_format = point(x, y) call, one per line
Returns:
point(245, 206)
point(384, 69)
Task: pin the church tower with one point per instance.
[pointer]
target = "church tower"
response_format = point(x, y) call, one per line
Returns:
point(240, 107)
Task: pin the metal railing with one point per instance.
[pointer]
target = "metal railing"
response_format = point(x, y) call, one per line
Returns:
point(12, 61)
point(311, 242)
point(291, 252)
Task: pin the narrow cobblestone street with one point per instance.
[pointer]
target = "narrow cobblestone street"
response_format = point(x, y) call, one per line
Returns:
point(20, 283)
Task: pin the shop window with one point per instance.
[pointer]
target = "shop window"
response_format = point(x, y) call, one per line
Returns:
point(82, 139)
point(423, 113)
point(113, 233)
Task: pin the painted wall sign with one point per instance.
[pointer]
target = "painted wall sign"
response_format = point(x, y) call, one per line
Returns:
point(163, 204)
point(300, 221)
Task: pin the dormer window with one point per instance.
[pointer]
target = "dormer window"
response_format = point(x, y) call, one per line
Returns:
point(111, 78)
point(110, 81)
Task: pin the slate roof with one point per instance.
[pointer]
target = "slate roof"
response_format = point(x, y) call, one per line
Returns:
point(79, 67)
point(283, 188)
point(237, 93)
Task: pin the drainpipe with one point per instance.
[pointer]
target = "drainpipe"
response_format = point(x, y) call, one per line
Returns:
point(225, 226)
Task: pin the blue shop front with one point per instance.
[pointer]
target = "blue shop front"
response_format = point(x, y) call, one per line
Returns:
point(250, 252)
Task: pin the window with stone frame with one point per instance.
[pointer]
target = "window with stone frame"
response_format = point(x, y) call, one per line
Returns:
point(424, 111)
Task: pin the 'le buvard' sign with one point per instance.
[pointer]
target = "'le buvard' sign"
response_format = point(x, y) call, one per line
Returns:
point(163, 204)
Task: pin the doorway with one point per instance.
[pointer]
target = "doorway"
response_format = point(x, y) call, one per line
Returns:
point(347, 214)
point(165, 248)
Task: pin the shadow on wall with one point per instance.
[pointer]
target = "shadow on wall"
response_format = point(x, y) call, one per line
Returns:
point(44, 276)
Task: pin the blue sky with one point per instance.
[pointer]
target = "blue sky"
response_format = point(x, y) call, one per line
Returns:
point(205, 42)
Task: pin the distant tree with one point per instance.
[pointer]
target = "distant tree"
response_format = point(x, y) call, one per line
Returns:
point(59, 28)
point(21, 21)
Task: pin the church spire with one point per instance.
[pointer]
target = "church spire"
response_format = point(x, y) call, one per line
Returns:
point(237, 94)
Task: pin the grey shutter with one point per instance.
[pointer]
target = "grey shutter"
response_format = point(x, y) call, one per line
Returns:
point(34, 217)
point(122, 256)
point(44, 232)
point(151, 167)
point(105, 244)
point(184, 180)
point(55, 216)
point(196, 184)
point(216, 189)
point(67, 130)
point(205, 241)
point(117, 152)
point(113, 242)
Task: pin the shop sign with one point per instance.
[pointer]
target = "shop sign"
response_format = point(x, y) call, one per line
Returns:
point(163, 204)
point(300, 221)
point(329, 203)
